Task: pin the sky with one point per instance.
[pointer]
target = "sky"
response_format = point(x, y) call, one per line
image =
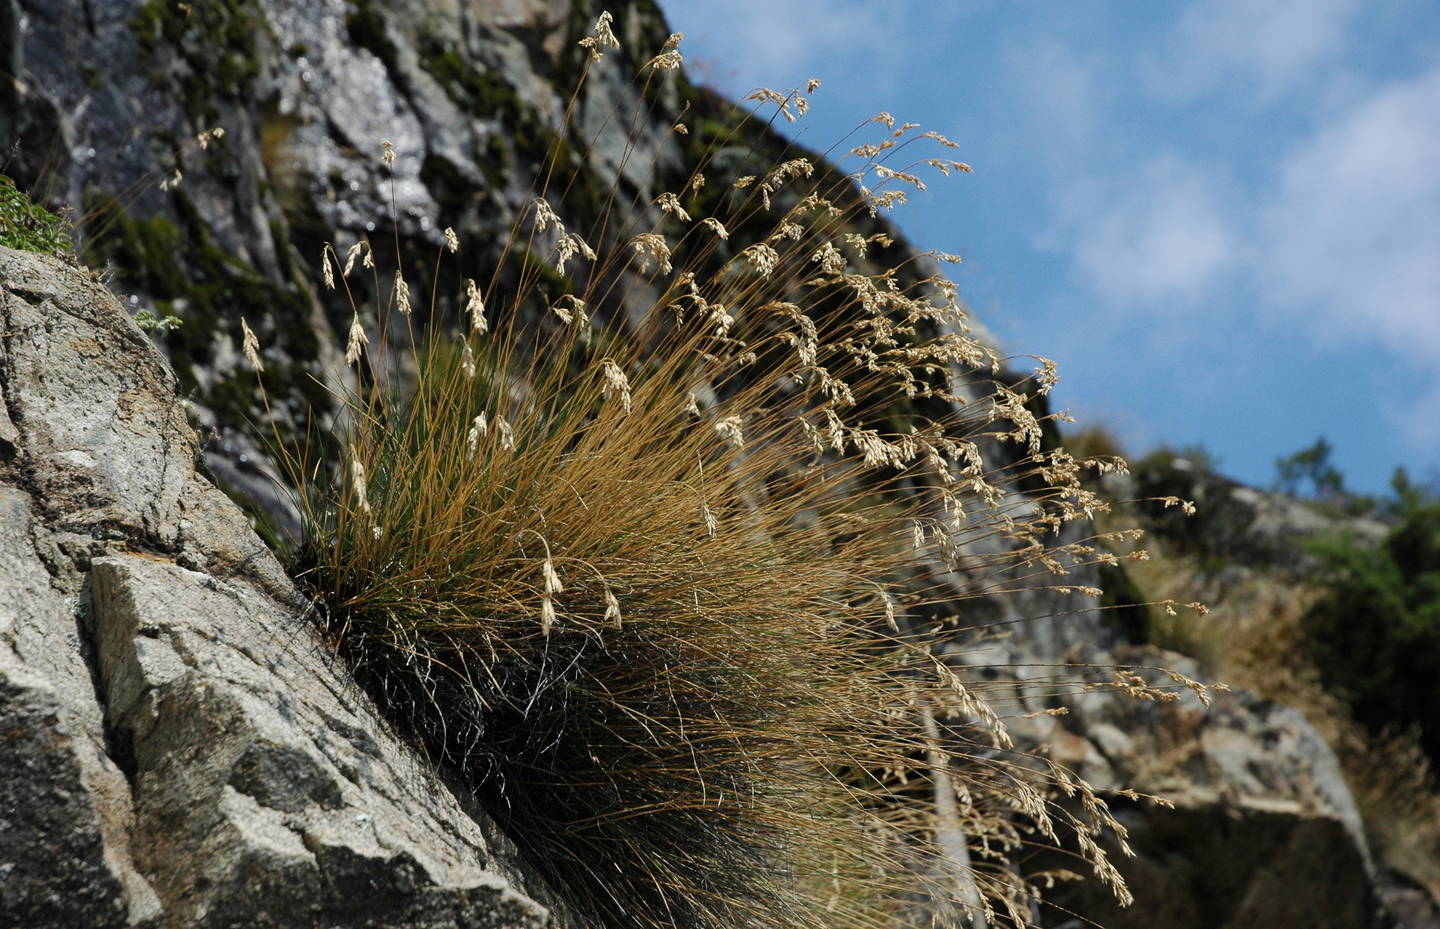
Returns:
point(1220, 217)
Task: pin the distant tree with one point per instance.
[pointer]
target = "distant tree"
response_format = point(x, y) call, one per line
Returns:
point(1310, 466)
point(1409, 495)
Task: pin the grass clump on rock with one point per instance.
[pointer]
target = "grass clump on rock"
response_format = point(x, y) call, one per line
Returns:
point(651, 582)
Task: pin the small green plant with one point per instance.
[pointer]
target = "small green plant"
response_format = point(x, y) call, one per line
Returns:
point(148, 321)
point(648, 569)
point(27, 226)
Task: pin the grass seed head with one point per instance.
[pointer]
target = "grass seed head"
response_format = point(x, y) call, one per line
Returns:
point(355, 341)
point(475, 308)
point(250, 346)
point(600, 38)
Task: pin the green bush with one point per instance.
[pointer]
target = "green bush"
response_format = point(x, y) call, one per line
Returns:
point(1376, 634)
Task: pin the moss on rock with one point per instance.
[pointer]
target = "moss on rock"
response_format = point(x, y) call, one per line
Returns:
point(219, 41)
point(179, 265)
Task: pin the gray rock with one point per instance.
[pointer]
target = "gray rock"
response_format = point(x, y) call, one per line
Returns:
point(181, 750)
point(1258, 828)
point(65, 811)
point(265, 793)
point(1222, 866)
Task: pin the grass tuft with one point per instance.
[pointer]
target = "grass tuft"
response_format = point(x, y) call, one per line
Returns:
point(644, 547)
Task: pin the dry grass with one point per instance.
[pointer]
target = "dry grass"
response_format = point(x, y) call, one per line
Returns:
point(657, 590)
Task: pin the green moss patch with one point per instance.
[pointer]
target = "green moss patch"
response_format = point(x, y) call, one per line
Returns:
point(219, 40)
point(209, 289)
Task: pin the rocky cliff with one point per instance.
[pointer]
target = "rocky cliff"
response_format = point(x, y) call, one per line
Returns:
point(181, 750)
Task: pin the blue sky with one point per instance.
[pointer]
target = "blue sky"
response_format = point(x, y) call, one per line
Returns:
point(1221, 217)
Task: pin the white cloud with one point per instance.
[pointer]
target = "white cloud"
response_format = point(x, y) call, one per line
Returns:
point(1160, 235)
point(782, 44)
point(1058, 90)
point(1419, 423)
point(1351, 237)
point(1273, 43)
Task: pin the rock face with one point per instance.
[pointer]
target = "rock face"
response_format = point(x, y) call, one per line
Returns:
point(1263, 830)
point(179, 749)
point(113, 97)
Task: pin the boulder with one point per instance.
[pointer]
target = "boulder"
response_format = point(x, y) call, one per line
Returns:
point(1262, 829)
point(1254, 824)
point(181, 749)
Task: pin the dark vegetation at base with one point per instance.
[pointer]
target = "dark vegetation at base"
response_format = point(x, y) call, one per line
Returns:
point(523, 744)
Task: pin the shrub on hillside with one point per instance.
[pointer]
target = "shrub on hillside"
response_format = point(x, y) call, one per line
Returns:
point(1376, 633)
